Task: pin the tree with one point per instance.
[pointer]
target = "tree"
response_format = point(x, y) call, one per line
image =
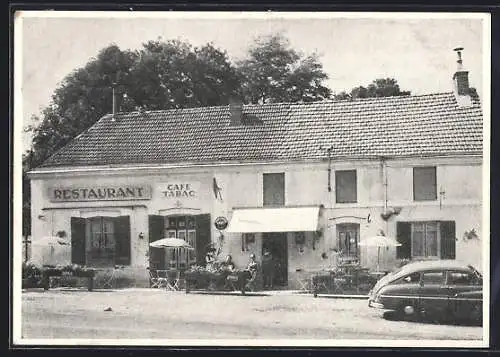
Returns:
point(275, 72)
point(382, 87)
point(173, 74)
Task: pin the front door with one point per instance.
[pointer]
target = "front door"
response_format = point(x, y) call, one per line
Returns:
point(276, 244)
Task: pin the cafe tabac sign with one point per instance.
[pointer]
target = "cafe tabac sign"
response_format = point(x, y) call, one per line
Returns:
point(179, 190)
point(100, 193)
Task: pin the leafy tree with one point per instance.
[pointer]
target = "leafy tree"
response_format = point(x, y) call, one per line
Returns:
point(382, 87)
point(173, 74)
point(275, 72)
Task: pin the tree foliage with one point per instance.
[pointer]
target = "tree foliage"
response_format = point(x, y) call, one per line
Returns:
point(274, 72)
point(382, 87)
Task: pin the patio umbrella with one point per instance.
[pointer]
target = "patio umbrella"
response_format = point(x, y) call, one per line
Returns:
point(379, 241)
point(171, 243)
point(51, 241)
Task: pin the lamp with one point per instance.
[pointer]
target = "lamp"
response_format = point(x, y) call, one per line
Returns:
point(141, 235)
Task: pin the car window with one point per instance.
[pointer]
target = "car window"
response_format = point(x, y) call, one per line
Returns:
point(412, 278)
point(461, 278)
point(433, 277)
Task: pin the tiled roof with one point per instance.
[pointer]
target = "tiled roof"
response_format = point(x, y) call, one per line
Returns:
point(423, 125)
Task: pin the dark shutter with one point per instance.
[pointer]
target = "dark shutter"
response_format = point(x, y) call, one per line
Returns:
point(156, 231)
point(403, 237)
point(203, 237)
point(448, 240)
point(78, 240)
point(346, 187)
point(122, 240)
point(424, 183)
point(273, 189)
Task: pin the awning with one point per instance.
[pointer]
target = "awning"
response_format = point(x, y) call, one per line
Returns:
point(286, 219)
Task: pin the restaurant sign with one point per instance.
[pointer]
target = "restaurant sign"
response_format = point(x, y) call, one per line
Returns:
point(179, 190)
point(99, 193)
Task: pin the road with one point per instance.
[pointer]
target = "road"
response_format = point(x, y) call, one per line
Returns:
point(157, 314)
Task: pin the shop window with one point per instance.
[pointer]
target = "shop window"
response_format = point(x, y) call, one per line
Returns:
point(426, 240)
point(346, 186)
point(348, 238)
point(274, 189)
point(424, 184)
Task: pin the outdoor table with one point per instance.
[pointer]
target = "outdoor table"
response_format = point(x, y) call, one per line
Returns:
point(50, 272)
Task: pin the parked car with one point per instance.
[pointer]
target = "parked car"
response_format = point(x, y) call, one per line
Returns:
point(445, 287)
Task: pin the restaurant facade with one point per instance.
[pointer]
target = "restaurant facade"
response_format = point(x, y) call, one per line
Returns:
point(306, 181)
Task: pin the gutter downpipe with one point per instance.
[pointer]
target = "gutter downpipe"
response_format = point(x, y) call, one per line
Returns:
point(383, 165)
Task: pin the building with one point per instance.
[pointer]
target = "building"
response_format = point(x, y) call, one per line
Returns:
point(305, 181)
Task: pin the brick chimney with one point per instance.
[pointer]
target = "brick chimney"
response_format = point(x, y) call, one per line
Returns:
point(461, 81)
point(236, 110)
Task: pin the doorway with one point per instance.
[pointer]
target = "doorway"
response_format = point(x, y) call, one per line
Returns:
point(276, 244)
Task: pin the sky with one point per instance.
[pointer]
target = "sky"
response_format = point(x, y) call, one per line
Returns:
point(354, 48)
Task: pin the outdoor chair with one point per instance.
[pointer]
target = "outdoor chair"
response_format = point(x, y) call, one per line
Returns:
point(172, 280)
point(157, 278)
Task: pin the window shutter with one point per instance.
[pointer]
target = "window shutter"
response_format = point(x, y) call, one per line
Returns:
point(403, 237)
point(156, 229)
point(78, 240)
point(122, 240)
point(203, 237)
point(448, 240)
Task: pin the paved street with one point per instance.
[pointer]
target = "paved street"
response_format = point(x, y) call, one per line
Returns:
point(156, 314)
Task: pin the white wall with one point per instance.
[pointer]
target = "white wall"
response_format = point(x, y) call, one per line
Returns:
point(305, 184)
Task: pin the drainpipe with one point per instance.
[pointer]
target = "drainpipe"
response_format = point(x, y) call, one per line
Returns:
point(383, 165)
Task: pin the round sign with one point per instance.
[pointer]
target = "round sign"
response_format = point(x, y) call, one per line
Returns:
point(221, 223)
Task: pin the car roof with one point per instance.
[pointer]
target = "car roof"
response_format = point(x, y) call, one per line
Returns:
point(433, 264)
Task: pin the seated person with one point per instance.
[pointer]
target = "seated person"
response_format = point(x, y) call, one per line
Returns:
point(227, 265)
point(210, 261)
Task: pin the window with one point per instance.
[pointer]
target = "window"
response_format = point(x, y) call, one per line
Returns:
point(424, 184)
point(461, 278)
point(409, 279)
point(100, 241)
point(274, 189)
point(433, 277)
point(346, 186)
point(100, 248)
point(425, 240)
point(348, 237)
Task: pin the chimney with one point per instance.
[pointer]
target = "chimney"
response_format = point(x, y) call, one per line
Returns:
point(236, 110)
point(461, 81)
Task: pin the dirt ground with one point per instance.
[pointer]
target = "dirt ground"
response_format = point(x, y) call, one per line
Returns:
point(158, 314)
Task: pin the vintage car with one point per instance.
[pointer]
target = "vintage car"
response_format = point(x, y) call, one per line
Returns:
point(446, 287)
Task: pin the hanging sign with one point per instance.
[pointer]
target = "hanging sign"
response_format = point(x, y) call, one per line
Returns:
point(221, 223)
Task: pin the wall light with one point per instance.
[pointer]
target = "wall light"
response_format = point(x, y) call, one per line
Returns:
point(141, 235)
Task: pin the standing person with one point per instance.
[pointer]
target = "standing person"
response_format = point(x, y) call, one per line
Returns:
point(267, 269)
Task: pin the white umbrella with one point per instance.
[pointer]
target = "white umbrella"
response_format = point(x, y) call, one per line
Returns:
point(51, 241)
point(379, 241)
point(171, 243)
